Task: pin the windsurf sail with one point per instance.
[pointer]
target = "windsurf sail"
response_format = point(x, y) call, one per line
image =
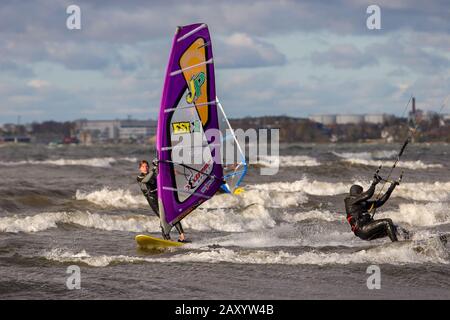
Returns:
point(233, 158)
point(188, 174)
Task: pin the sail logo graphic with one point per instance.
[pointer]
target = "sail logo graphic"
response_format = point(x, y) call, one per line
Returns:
point(181, 127)
point(186, 127)
point(196, 179)
point(195, 85)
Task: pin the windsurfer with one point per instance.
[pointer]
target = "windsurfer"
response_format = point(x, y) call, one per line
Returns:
point(148, 184)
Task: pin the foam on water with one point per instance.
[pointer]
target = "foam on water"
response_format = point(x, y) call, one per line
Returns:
point(419, 214)
point(373, 159)
point(420, 191)
point(251, 218)
point(378, 154)
point(288, 161)
point(91, 162)
point(254, 217)
point(44, 221)
point(120, 198)
point(284, 235)
point(397, 254)
point(112, 198)
point(252, 196)
point(322, 215)
point(314, 187)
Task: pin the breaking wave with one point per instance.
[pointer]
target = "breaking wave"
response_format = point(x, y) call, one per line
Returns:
point(397, 254)
point(247, 219)
point(251, 218)
point(413, 165)
point(271, 195)
point(44, 221)
point(112, 198)
point(285, 235)
point(288, 161)
point(92, 162)
point(317, 188)
point(254, 217)
point(122, 199)
point(374, 155)
point(416, 214)
point(373, 159)
point(265, 198)
point(419, 191)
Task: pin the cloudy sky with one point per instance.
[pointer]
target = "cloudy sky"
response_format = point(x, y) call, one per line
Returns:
point(272, 57)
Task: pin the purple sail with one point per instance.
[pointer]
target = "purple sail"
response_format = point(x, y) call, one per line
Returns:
point(188, 109)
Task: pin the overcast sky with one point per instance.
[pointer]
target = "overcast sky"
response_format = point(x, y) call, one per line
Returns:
point(271, 57)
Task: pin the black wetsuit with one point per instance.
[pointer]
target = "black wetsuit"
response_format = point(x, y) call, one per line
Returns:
point(357, 205)
point(149, 188)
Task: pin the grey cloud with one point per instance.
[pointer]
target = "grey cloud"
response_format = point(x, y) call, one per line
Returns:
point(16, 69)
point(411, 56)
point(134, 21)
point(27, 28)
point(35, 31)
point(344, 56)
point(242, 51)
point(261, 93)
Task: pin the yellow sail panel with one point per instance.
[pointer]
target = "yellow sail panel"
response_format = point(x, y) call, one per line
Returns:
point(196, 77)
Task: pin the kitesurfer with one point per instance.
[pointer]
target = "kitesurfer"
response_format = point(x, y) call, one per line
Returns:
point(358, 205)
point(148, 184)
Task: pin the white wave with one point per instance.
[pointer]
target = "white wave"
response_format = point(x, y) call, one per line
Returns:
point(288, 161)
point(373, 159)
point(397, 254)
point(254, 217)
point(250, 210)
point(413, 165)
point(266, 198)
point(325, 215)
point(380, 154)
point(422, 191)
point(122, 199)
point(317, 188)
point(63, 256)
point(422, 215)
point(284, 235)
point(113, 198)
point(44, 221)
point(91, 162)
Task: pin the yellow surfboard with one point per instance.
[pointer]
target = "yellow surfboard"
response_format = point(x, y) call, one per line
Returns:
point(149, 242)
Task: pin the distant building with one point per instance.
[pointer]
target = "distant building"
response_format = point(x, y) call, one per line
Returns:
point(331, 119)
point(325, 119)
point(9, 127)
point(16, 139)
point(136, 129)
point(446, 117)
point(92, 131)
point(377, 118)
point(98, 130)
point(349, 119)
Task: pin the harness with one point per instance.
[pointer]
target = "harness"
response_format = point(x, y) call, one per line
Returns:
point(352, 223)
